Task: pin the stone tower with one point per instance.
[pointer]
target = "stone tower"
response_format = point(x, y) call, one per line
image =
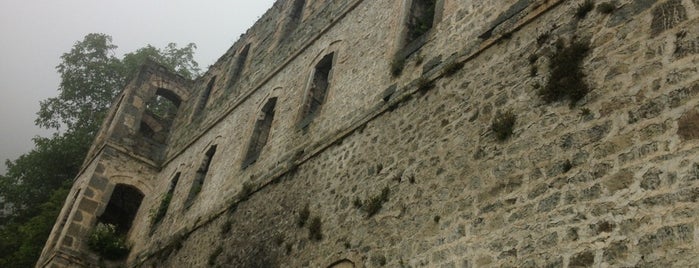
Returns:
point(408, 133)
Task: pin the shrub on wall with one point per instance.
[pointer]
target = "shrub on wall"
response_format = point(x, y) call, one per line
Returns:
point(105, 241)
point(567, 77)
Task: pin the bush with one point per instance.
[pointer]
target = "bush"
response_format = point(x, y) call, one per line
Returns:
point(452, 68)
point(314, 229)
point(567, 78)
point(105, 241)
point(374, 204)
point(503, 125)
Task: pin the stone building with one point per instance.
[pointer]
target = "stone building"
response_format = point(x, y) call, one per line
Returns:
point(409, 133)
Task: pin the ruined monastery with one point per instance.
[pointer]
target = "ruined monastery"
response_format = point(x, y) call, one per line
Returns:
point(408, 133)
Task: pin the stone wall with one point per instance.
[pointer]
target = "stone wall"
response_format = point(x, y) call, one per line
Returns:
point(406, 171)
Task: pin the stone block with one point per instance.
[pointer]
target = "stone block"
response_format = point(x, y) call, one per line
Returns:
point(667, 15)
point(583, 259)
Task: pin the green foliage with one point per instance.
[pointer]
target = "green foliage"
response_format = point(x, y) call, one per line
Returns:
point(22, 238)
point(452, 68)
point(424, 84)
point(36, 183)
point(91, 76)
point(303, 216)
point(105, 241)
point(375, 203)
point(315, 229)
point(503, 124)
point(584, 8)
point(567, 78)
point(159, 214)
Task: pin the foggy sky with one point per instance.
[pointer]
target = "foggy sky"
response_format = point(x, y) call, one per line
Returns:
point(35, 33)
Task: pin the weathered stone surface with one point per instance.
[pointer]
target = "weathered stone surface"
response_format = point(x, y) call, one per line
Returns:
point(667, 15)
point(388, 177)
point(688, 125)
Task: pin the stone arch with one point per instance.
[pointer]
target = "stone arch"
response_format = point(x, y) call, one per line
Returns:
point(159, 113)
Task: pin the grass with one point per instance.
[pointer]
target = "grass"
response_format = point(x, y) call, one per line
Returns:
point(567, 78)
point(503, 125)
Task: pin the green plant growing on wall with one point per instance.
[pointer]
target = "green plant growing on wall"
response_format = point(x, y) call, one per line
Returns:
point(158, 215)
point(584, 8)
point(424, 84)
point(452, 68)
point(105, 241)
point(375, 203)
point(566, 80)
point(303, 216)
point(503, 125)
point(315, 229)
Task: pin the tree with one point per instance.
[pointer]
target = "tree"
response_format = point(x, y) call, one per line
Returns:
point(36, 183)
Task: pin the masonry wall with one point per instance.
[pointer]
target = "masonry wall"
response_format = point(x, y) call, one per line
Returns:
point(608, 181)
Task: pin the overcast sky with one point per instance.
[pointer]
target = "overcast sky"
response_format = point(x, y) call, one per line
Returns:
point(35, 33)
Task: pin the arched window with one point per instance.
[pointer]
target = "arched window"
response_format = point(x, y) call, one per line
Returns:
point(122, 208)
point(204, 98)
point(160, 113)
point(317, 91)
point(199, 177)
point(261, 132)
point(237, 68)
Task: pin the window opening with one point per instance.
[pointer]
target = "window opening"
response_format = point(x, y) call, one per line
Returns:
point(160, 113)
point(204, 99)
point(165, 202)
point(295, 17)
point(260, 133)
point(199, 177)
point(318, 89)
point(420, 19)
point(238, 67)
point(122, 208)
